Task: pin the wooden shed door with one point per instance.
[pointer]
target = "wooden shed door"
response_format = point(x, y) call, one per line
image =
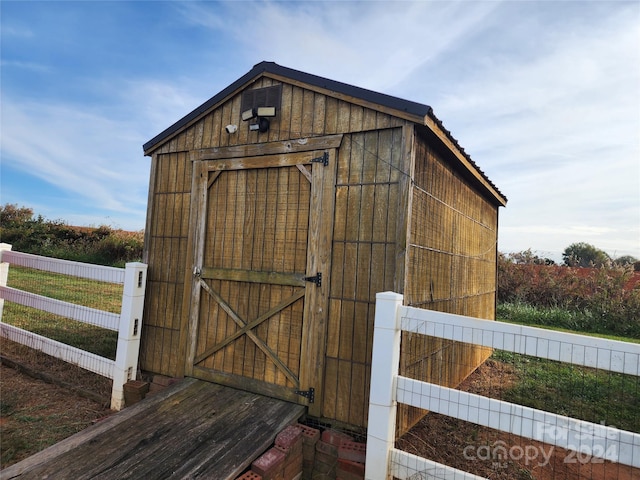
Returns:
point(260, 280)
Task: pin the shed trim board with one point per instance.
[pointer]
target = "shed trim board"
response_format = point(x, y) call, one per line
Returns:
point(271, 148)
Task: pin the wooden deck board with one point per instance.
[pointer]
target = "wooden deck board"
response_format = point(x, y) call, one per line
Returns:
point(195, 429)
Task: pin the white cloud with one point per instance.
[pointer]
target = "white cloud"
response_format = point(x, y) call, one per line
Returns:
point(76, 150)
point(544, 96)
point(373, 45)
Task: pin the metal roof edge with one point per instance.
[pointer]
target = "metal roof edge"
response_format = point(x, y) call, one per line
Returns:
point(167, 132)
point(497, 193)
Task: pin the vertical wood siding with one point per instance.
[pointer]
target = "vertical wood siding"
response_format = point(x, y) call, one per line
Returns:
point(167, 236)
point(451, 268)
point(303, 113)
point(364, 263)
point(425, 233)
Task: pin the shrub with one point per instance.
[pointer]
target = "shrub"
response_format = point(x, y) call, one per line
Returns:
point(102, 245)
point(599, 300)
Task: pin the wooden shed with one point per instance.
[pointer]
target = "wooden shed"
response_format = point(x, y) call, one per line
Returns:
point(279, 208)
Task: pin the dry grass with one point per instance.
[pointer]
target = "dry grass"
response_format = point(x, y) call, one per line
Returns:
point(35, 414)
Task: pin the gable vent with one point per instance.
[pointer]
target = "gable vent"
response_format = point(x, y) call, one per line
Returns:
point(262, 97)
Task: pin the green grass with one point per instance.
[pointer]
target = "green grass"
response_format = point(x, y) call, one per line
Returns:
point(556, 318)
point(99, 295)
point(589, 394)
point(90, 293)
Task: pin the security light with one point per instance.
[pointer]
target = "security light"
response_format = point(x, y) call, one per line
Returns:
point(248, 114)
point(266, 112)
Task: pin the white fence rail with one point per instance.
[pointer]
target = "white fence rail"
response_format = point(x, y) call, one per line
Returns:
point(388, 388)
point(128, 323)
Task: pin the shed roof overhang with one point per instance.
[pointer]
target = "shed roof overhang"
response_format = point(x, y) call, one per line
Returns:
point(412, 111)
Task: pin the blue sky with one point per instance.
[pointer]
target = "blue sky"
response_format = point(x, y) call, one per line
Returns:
point(544, 96)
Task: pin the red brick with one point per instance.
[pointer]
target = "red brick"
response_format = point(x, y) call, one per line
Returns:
point(348, 470)
point(164, 381)
point(293, 451)
point(310, 435)
point(270, 465)
point(326, 459)
point(322, 476)
point(155, 388)
point(307, 472)
point(288, 437)
point(249, 476)
point(293, 467)
point(348, 476)
point(327, 449)
point(353, 451)
point(334, 437)
point(308, 450)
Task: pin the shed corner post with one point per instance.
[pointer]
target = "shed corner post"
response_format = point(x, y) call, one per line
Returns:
point(384, 371)
point(126, 363)
point(4, 272)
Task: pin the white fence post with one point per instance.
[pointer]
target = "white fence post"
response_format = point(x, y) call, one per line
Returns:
point(4, 273)
point(381, 430)
point(126, 364)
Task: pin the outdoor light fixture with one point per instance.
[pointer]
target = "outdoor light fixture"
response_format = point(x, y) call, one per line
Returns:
point(249, 114)
point(266, 111)
point(262, 114)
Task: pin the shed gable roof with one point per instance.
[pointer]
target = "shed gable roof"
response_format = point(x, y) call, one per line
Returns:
point(412, 111)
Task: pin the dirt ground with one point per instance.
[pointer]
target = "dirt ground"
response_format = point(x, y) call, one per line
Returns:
point(35, 414)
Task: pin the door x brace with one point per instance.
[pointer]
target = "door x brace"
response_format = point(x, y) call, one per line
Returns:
point(247, 327)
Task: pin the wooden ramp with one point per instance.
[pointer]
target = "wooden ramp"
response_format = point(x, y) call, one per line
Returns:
point(193, 429)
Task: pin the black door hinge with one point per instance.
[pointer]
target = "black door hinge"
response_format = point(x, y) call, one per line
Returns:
point(317, 279)
point(324, 159)
point(308, 394)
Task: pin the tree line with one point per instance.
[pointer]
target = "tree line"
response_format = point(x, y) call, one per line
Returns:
point(579, 254)
point(103, 245)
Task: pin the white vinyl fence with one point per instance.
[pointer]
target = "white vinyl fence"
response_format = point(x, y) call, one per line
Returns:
point(128, 323)
point(388, 388)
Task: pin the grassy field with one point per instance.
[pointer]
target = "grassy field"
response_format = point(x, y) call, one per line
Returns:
point(99, 295)
point(596, 396)
point(588, 394)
